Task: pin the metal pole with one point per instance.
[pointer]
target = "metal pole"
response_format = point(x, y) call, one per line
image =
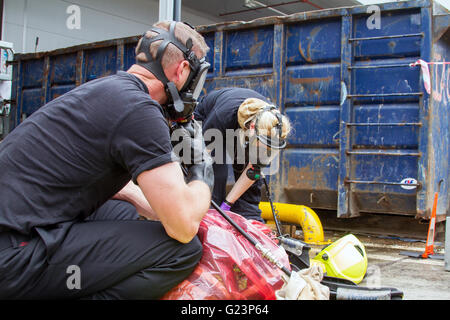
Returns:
point(177, 10)
point(447, 242)
point(25, 26)
point(269, 7)
point(275, 217)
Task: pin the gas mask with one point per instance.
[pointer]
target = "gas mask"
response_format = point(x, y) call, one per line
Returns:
point(262, 150)
point(181, 104)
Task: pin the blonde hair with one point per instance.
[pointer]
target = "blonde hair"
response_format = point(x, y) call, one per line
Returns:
point(172, 54)
point(267, 122)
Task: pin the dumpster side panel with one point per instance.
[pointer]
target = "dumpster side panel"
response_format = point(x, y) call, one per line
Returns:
point(31, 87)
point(44, 76)
point(62, 77)
point(439, 118)
point(384, 113)
point(312, 97)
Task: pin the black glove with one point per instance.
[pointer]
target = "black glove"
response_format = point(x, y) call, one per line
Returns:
point(192, 147)
point(198, 162)
point(202, 171)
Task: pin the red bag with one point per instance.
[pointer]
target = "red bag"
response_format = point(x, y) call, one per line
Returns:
point(231, 268)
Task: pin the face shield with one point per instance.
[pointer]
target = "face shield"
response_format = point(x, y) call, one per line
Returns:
point(271, 141)
point(181, 104)
point(263, 150)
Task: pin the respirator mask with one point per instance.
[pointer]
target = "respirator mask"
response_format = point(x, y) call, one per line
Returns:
point(181, 104)
point(263, 150)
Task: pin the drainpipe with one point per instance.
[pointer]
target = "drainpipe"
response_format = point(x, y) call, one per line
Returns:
point(169, 10)
point(25, 26)
point(177, 10)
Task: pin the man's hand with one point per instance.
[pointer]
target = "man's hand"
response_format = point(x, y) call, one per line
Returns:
point(202, 171)
point(192, 143)
point(197, 160)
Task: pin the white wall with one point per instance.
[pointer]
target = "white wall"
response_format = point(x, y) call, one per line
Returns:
point(99, 20)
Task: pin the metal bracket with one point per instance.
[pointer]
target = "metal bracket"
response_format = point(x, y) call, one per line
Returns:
point(5, 107)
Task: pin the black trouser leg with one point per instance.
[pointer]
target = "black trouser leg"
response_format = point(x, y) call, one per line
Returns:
point(153, 282)
point(114, 210)
point(116, 259)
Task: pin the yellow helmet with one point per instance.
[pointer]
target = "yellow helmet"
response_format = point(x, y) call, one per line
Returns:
point(345, 258)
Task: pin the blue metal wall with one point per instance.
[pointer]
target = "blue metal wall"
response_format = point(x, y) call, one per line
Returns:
point(362, 121)
point(367, 137)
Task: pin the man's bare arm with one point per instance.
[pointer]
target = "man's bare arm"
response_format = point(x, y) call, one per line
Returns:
point(133, 194)
point(179, 206)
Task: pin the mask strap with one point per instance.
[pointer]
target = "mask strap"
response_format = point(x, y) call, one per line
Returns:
point(155, 65)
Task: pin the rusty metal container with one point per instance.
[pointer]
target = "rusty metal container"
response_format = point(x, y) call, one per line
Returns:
point(367, 135)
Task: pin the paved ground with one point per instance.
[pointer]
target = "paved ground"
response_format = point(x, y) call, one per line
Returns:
point(419, 279)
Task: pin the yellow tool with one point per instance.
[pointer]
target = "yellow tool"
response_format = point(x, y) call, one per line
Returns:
point(299, 215)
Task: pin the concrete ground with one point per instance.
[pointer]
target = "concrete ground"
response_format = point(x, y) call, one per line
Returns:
point(419, 279)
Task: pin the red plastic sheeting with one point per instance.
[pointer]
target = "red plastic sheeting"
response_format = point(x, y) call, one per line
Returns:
point(231, 268)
